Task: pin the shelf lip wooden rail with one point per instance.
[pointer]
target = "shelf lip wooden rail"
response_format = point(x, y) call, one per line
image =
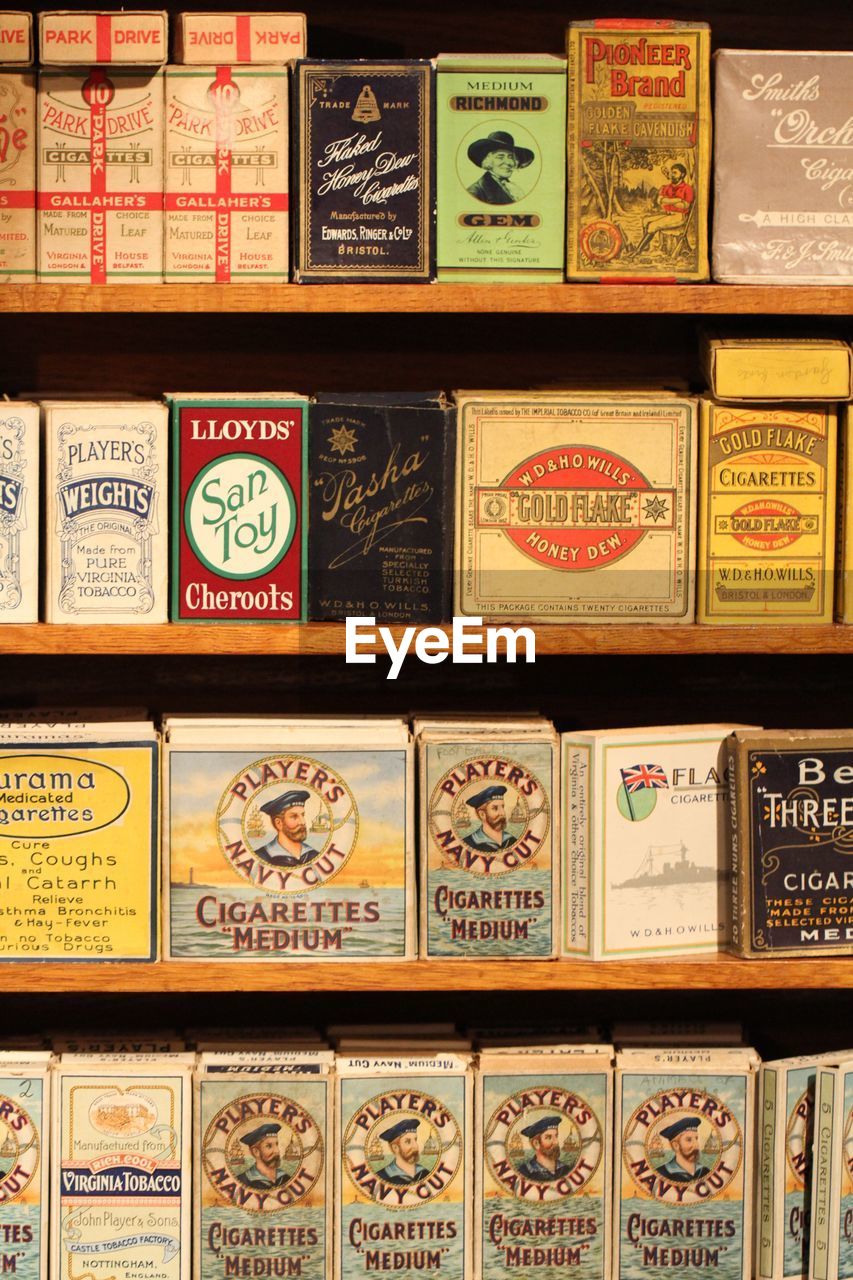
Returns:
point(707, 299)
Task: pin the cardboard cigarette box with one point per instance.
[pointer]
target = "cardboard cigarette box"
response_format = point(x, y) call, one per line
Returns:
point(25, 1130)
point(844, 526)
point(575, 505)
point(831, 1245)
point(106, 535)
point(19, 510)
point(404, 1142)
point(770, 369)
point(766, 514)
point(100, 175)
point(501, 153)
point(639, 125)
point(136, 37)
point(227, 164)
point(16, 39)
point(17, 176)
point(239, 37)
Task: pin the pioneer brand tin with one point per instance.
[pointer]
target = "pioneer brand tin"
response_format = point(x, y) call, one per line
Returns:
point(17, 171)
point(239, 37)
point(19, 510)
point(138, 37)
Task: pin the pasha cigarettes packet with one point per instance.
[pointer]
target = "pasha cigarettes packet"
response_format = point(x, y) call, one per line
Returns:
point(286, 843)
point(137, 37)
point(24, 1127)
point(17, 176)
point(831, 1242)
point(106, 536)
point(639, 149)
point(404, 1134)
point(16, 39)
point(766, 514)
point(100, 175)
point(770, 369)
point(645, 854)
point(239, 522)
point(239, 37)
point(791, 827)
point(263, 1167)
point(543, 1152)
point(501, 172)
point(19, 509)
point(489, 842)
point(121, 1165)
point(227, 165)
point(575, 506)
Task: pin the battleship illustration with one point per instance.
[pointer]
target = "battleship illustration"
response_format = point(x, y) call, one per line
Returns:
point(660, 866)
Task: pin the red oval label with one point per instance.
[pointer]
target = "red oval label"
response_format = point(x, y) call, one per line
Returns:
point(768, 524)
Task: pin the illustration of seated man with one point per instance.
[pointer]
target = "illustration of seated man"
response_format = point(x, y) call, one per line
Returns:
point(545, 1164)
point(491, 835)
point(288, 847)
point(264, 1172)
point(684, 1164)
point(499, 156)
point(403, 1168)
point(675, 200)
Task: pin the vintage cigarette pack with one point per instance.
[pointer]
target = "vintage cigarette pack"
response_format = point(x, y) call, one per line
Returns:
point(121, 1166)
point(106, 535)
point(786, 1112)
point(781, 212)
point(137, 37)
point(788, 369)
point(364, 171)
point(831, 1241)
point(543, 1151)
point(291, 842)
point(578, 506)
point(227, 160)
point(16, 39)
point(684, 1163)
point(381, 468)
point(501, 172)
point(79, 846)
point(239, 37)
point(489, 842)
point(25, 1129)
point(239, 526)
point(404, 1142)
point(639, 124)
point(766, 514)
point(791, 828)
point(263, 1166)
point(19, 510)
point(100, 175)
point(17, 168)
point(645, 852)
point(118, 1043)
point(844, 527)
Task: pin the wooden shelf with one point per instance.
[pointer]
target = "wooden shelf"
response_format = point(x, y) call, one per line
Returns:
point(707, 299)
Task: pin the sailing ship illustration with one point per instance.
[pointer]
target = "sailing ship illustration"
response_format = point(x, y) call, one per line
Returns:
point(660, 866)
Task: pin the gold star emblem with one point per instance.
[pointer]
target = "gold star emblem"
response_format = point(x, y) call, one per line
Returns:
point(342, 440)
point(655, 509)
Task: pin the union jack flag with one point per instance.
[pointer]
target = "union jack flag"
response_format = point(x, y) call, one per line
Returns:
point(638, 776)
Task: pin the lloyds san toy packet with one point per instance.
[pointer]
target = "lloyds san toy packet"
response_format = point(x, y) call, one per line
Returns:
point(289, 839)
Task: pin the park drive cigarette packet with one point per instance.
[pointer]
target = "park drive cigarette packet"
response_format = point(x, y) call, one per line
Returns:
point(404, 1145)
point(831, 1242)
point(766, 513)
point(575, 505)
point(489, 841)
point(543, 1151)
point(684, 1163)
point(501, 151)
point(16, 38)
point(227, 163)
point(121, 1165)
point(645, 851)
point(17, 151)
point(19, 507)
point(740, 369)
point(138, 37)
point(639, 149)
point(239, 37)
point(106, 536)
point(291, 841)
point(24, 1130)
point(263, 1164)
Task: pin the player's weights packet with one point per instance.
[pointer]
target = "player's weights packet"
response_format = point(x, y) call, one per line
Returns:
point(100, 175)
point(136, 37)
point(364, 187)
point(766, 513)
point(239, 37)
point(17, 174)
point(404, 1131)
point(543, 1152)
point(19, 510)
point(239, 527)
point(226, 174)
point(792, 825)
point(381, 467)
point(501, 172)
point(781, 209)
point(575, 505)
point(639, 149)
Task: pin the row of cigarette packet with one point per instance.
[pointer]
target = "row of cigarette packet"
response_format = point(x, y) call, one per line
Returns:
point(453, 169)
point(472, 839)
point(414, 1155)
